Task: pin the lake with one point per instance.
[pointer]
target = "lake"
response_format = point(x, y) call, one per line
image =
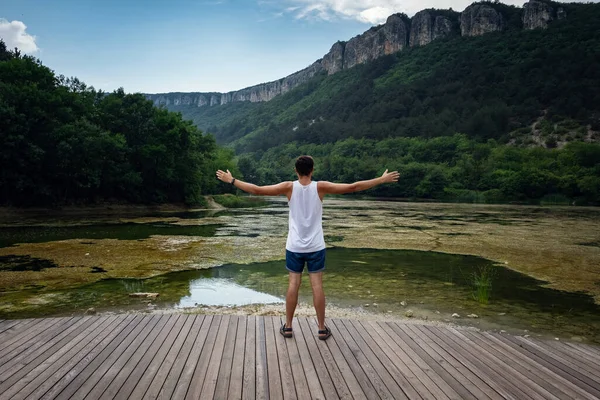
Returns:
point(533, 270)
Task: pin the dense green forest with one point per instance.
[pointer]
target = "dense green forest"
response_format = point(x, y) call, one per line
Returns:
point(507, 116)
point(493, 86)
point(65, 143)
point(502, 116)
point(453, 168)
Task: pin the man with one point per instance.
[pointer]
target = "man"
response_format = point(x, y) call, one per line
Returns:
point(305, 241)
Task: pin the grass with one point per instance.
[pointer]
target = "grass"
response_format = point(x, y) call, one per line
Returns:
point(133, 286)
point(231, 201)
point(482, 283)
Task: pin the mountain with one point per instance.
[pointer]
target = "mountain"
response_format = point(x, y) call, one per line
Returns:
point(519, 86)
point(398, 33)
point(504, 106)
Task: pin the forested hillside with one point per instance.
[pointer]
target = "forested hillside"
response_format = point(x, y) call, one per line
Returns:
point(536, 91)
point(490, 87)
point(65, 143)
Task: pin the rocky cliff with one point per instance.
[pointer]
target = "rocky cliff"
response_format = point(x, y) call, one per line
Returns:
point(262, 92)
point(479, 19)
point(395, 35)
point(425, 27)
point(538, 14)
point(389, 38)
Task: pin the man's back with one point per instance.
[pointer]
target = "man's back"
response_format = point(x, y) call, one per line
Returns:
point(305, 233)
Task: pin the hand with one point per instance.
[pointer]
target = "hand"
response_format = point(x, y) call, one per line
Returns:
point(389, 177)
point(225, 176)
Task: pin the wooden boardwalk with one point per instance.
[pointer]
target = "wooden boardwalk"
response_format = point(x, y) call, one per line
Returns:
point(181, 356)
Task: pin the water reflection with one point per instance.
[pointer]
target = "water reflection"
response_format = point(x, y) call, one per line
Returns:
point(223, 292)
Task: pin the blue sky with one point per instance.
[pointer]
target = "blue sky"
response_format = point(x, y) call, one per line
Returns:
point(157, 46)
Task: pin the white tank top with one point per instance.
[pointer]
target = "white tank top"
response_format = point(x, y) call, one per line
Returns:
point(305, 233)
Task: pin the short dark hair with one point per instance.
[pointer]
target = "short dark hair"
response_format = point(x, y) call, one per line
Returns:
point(304, 165)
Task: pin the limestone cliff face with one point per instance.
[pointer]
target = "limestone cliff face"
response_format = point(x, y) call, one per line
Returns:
point(334, 60)
point(424, 28)
point(262, 92)
point(479, 19)
point(376, 42)
point(421, 29)
point(394, 36)
point(442, 27)
point(537, 14)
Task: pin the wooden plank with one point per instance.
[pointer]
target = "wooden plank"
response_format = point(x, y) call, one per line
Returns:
point(89, 376)
point(591, 355)
point(274, 376)
point(197, 381)
point(24, 361)
point(224, 376)
point(541, 362)
point(556, 349)
point(430, 379)
point(377, 360)
point(530, 378)
point(172, 379)
point(285, 369)
point(65, 374)
point(237, 372)
point(27, 383)
point(372, 375)
point(142, 374)
point(210, 381)
point(413, 356)
point(432, 363)
point(593, 349)
point(141, 342)
point(61, 343)
point(249, 387)
point(185, 380)
point(343, 356)
point(560, 384)
point(296, 370)
point(464, 371)
point(8, 345)
point(464, 363)
point(341, 387)
point(34, 336)
point(7, 327)
point(497, 375)
point(77, 356)
point(417, 378)
point(165, 366)
point(559, 364)
point(319, 364)
point(405, 385)
point(15, 327)
point(262, 378)
point(314, 386)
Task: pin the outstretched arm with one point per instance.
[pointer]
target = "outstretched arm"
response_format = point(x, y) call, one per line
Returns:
point(342, 188)
point(272, 190)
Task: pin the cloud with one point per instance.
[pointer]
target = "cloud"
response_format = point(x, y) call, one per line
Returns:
point(14, 35)
point(370, 11)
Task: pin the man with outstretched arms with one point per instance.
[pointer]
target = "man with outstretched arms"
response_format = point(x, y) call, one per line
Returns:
point(305, 241)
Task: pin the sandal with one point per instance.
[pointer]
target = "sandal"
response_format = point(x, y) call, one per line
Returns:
point(286, 332)
point(324, 333)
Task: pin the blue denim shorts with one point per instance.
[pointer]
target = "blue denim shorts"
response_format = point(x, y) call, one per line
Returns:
point(315, 261)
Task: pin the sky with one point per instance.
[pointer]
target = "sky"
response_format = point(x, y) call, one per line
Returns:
point(157, 46)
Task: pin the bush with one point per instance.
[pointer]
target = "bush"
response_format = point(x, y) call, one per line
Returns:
point(232, 201)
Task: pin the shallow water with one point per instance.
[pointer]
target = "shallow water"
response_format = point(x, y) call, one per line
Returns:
point(122, 231)
point(558, 244)
point(432, 285)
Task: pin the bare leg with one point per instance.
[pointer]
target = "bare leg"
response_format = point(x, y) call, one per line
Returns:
point(291, 299)
point(316, 281)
